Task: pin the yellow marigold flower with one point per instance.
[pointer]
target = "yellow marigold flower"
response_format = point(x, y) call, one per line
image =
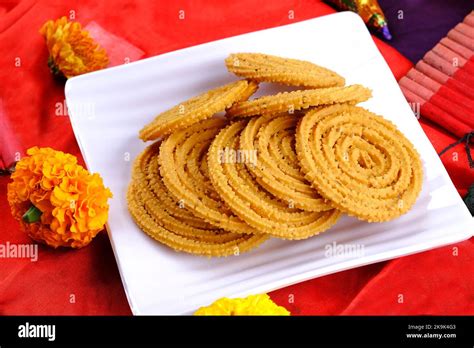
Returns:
point(56, 200)
point(72, 51)
point(251, 305)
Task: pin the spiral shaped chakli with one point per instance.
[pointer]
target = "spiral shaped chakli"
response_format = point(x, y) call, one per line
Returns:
point(359, 161)
point(278, 169)
point(251, 202)
point(293, 72)
point(189, 183)
point(299, 100)
point(158, 215)
point(201, 107)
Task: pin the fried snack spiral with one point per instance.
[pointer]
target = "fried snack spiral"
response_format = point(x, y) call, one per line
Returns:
point(293, 72)
point(154, 212)
point(299, 100)
point(198, 108)
point(251, 202)
point(189, 183)
point(359, 161)
point(277, 168)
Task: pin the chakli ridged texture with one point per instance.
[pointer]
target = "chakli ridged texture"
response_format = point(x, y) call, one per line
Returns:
point(299, 100)
point(190, 185)
point(198, 108)
point(277, 168)
point(154, 210)
point(285, 165)
point(293, 72)
point(359, 161)
point(252, 203)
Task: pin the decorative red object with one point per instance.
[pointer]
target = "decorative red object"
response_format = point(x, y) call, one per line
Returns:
point(86, 281)
point(440, 89)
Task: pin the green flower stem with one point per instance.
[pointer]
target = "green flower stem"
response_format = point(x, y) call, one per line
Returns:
point(58, 74)
point(33, 214)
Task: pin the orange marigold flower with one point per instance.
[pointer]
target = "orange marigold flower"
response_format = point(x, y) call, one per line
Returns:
point(251, 305)
point(72, 51)
point(72, 202)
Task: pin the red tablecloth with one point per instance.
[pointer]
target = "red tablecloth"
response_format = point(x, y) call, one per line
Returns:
point(87, 281)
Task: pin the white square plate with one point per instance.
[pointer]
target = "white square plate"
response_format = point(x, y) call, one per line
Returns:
point(108, 108)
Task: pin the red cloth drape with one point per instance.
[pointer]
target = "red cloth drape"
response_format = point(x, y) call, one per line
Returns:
point(87, 281)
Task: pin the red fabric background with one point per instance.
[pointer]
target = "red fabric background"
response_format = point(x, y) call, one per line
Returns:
point(435, 282)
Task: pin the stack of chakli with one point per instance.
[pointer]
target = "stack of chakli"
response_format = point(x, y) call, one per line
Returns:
point(287, 165)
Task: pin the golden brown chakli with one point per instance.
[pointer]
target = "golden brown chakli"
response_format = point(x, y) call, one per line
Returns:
point(285, 166)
